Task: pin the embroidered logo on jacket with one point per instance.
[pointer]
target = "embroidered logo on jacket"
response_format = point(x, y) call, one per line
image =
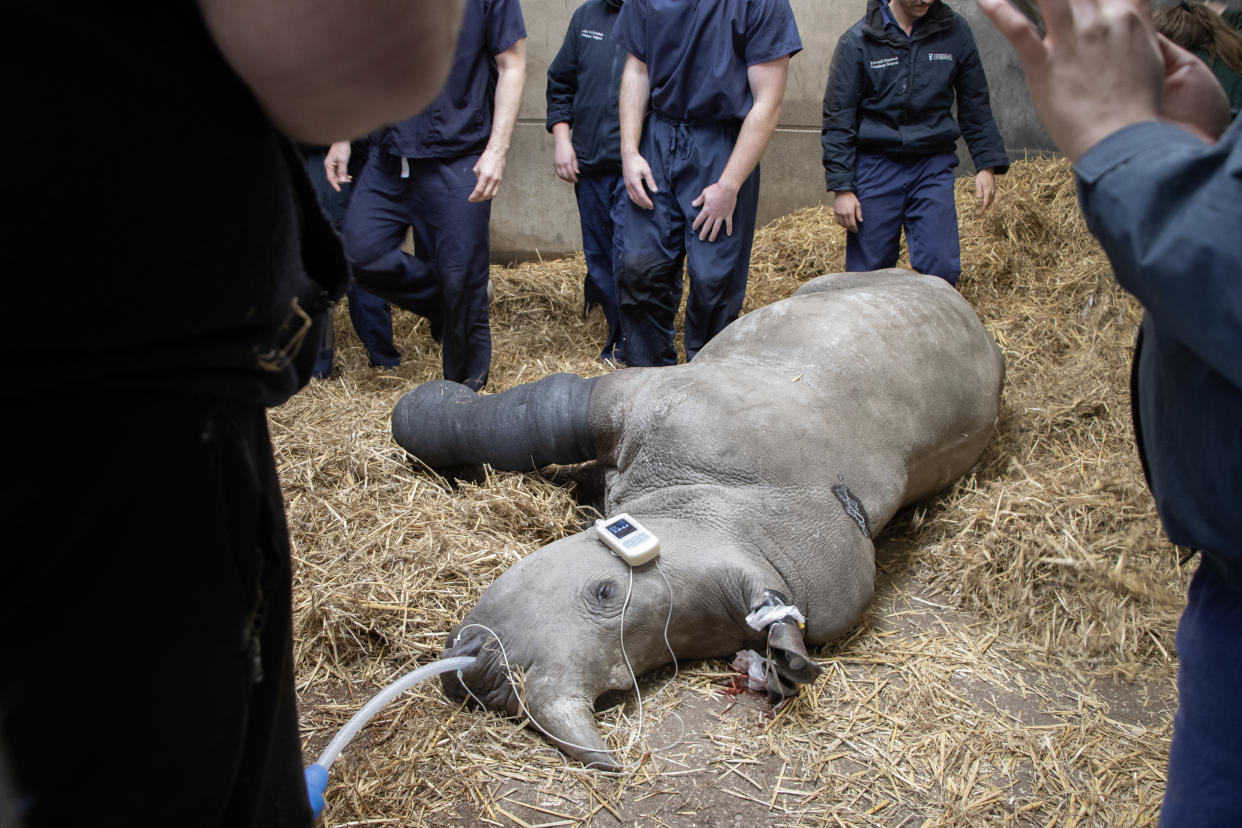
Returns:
point(884, 63)
point(939, 56)
point(591, 34)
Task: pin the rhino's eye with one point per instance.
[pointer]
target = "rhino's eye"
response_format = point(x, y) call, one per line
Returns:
point(603, 592)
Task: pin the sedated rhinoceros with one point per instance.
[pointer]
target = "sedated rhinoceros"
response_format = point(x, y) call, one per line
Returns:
point(765, 467)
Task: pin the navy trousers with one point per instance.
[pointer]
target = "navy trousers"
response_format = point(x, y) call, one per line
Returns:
point(601, 208)
point(445, 279)
point(170, 641)
point(1205, 762)
point(915, 194)
point(684, 159)
point(370, 315)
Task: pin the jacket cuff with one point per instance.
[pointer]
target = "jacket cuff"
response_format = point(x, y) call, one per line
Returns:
point(836, 182)
point(997, 162)
point(555, 118)
point(1126, 143)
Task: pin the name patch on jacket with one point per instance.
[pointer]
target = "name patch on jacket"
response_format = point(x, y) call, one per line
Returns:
point(591, 34)
point(884, 63)
point(939, 56)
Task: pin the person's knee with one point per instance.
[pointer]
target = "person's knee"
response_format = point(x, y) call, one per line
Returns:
point(941, 260)
point(645, 275)
point(365, 250)
point(370, 234)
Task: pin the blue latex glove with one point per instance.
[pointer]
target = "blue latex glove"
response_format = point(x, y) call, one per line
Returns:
point(316, 784)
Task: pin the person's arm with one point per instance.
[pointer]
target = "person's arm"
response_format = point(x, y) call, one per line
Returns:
point(974, 116)
point(327, 70)
point(511, 76)
point(985, 189)
point(1163, 205)
point(1086, 84)
point(564, 159)
point(1160, 197)
point(562, 88)
point(632, 110)
point(1106, 69)
point(336, 164)
point(716, 202)
point(839, 132)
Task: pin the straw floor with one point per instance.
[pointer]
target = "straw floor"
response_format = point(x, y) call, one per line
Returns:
point(1017, 666)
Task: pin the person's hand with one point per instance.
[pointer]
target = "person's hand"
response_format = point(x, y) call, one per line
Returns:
point(985, 189)
point(1192, 98)
point(846, 210)
point(1098, 69)
point(565, 161)
point(336, 165)
point(489, 169)
point(637, 173)
point(715, 204)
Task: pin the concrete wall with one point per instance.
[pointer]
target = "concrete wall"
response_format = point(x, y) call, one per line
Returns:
point(535, 213)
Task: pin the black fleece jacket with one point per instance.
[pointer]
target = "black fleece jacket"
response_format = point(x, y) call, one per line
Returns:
point(583, 81)
point(891, 95)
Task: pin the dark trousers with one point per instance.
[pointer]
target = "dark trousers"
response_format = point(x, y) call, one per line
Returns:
point(445, 279)
point(148, 671)
point(684, 159)
point(370, 315)
point(915, 194)
point(601, 209)
point(1205, 762)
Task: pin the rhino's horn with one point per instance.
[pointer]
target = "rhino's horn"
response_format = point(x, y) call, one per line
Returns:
point(570, 723)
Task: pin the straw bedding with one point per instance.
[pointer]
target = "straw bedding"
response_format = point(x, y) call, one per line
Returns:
point(1016, 667)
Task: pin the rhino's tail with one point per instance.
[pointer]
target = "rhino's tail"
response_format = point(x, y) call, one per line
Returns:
point(444, 424)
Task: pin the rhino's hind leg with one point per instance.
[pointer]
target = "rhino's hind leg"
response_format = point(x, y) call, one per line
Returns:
point(446, 425)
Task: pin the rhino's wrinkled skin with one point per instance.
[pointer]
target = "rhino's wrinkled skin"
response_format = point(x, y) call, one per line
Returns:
point(883, 382)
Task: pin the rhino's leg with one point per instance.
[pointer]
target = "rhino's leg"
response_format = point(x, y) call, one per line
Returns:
point(445, 424)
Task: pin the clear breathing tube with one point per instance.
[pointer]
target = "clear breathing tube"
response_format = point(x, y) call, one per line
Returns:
point(317, 774)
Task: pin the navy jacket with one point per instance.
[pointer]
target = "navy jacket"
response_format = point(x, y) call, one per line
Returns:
point(1164, 206)
point(583, 82)
point(894, 96)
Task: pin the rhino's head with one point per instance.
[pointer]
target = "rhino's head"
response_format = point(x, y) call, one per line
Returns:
point(547, 634)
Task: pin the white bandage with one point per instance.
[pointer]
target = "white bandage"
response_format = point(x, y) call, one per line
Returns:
point(765, 616)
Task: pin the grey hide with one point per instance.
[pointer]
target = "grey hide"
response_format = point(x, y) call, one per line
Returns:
point(866, 390)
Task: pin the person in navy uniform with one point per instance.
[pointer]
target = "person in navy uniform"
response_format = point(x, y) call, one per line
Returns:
point(583, 82)
point(889, 136)
point(371, 316)
point(436, 173)
point(714, 75)
point(1158, 165)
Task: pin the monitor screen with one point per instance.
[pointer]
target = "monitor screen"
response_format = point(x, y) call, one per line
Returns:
point(620, 528)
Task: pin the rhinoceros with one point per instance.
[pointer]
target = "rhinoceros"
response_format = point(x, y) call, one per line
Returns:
point(766, 466)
